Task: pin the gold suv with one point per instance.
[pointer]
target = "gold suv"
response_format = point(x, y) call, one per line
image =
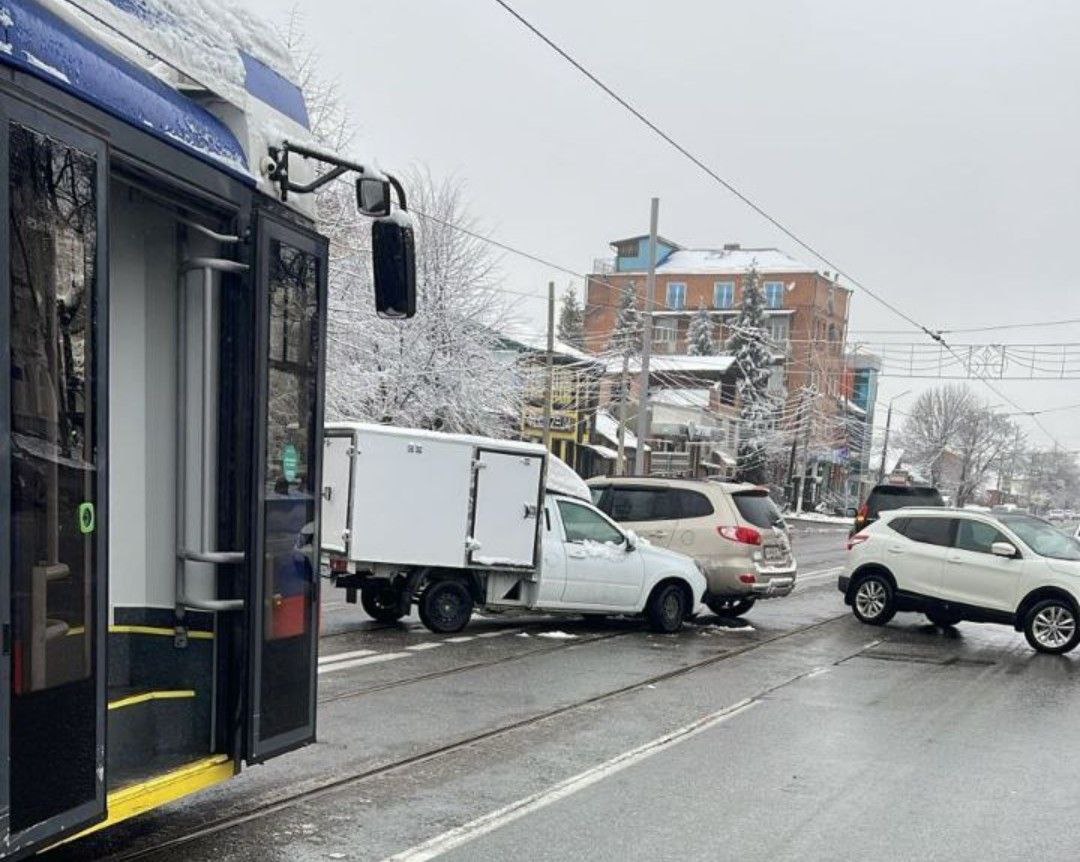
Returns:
point(733, 530)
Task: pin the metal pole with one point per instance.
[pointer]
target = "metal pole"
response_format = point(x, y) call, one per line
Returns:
point(885, 445)
point(646, 347)
point(550, 365)
point(620, 460)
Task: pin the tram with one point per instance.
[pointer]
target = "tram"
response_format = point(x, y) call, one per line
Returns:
point(162, 353)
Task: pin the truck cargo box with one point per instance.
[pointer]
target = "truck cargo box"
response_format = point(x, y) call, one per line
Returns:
point(409, 497)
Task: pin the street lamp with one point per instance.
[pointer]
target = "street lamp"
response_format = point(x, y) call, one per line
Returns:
point(885, 445)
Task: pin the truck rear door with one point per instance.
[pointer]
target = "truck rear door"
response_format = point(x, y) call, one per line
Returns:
point(507, 497)
point(336, 492)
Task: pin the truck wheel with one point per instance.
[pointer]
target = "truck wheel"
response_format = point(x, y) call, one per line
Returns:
point(730, 607)
point(666, 609)
point(445, 607)
point(382, 603)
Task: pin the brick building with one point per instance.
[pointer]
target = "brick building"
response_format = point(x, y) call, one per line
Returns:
point(806, 311)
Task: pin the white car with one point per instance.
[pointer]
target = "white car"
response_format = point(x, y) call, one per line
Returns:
point(954, 565)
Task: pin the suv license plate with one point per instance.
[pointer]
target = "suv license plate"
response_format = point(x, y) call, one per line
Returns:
point(773, 553)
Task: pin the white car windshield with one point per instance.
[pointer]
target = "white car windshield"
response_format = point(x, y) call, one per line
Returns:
point(1042, 537)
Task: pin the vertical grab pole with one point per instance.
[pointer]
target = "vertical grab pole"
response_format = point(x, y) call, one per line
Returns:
point(180, 630)
point(208, 386)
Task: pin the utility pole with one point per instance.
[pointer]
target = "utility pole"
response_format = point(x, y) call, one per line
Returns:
point(620, 461)
point(795, 442)
point(805, 464)
point(885, 444)
point(646, 347)
point(550, 385)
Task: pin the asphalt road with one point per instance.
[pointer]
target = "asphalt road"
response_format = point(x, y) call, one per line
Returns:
point(799, 735)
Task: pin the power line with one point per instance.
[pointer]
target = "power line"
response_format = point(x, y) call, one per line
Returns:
point(730, 187)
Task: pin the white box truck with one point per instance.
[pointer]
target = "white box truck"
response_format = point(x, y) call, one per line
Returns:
point(450, 522)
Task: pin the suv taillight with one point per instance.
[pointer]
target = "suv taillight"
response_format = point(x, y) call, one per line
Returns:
point(742, 535)
point(857, 539)
point(863, 513)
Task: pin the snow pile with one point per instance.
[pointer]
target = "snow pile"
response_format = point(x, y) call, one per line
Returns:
point(556, 635)
point(600, 550)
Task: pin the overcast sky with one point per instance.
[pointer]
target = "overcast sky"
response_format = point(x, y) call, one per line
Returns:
point(930, 148)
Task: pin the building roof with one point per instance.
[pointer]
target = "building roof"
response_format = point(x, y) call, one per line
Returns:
point(659, 240)
point(674, 364)
point(730, 261)
point(695, 399)
point(530, 340)
point(607, 426)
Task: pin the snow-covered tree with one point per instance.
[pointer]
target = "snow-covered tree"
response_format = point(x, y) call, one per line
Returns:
point(699, 337)
point(572, 320)
point(443, 368)
point(749, 344)
point(626, 336)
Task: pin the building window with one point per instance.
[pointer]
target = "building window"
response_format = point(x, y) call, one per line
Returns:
point(676, 295)
point(665, 334)
point(778, 331)
point(724, 294)
point(774, 294)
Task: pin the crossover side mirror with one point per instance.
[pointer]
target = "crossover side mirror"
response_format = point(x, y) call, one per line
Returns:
point(393, 251)
point(1003, 549)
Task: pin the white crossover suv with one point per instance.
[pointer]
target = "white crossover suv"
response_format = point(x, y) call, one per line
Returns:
point(954, 565)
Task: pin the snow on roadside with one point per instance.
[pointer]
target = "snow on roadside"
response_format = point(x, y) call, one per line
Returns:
point(817, 518)
point(556, 635)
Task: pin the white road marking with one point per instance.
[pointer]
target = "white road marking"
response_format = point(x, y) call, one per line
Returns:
point(461, 639)
point(820, 575)
point(424, 646)
point(515, 810)
point(356, 662)
point(342, 656)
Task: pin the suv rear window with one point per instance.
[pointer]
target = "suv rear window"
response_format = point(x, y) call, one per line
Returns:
point(755, 507)
point(691, 504)
point(885, 498)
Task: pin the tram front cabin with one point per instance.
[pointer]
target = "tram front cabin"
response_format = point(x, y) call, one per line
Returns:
point(162, 354)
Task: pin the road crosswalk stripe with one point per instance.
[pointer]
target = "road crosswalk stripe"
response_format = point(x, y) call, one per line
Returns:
point(357, 662)
point(343, 656)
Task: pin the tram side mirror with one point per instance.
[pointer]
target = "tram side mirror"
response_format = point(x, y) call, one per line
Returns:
point(393, 250)
point(373, 197)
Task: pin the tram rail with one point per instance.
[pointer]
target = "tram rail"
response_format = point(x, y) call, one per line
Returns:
point(339, 782)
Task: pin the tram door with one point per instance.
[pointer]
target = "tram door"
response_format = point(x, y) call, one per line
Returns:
point(291, 295)
point(52, 475)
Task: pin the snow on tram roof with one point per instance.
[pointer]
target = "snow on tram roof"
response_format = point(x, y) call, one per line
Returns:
point(219, 46)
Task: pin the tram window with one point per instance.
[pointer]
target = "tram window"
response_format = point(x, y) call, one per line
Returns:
point(288, 493)
point(53, 451)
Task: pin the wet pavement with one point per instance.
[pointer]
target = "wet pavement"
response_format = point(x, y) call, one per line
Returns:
point(800, 734)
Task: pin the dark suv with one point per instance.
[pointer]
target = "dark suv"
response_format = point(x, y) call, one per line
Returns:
point(884, 498)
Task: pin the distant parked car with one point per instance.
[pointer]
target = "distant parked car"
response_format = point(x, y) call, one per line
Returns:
point(734, 531)
point(885, 498)
point(954, 565)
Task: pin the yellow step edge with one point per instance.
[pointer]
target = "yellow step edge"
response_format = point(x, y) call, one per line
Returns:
point(131, 700)
point(155, 630)
point(139, 798)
